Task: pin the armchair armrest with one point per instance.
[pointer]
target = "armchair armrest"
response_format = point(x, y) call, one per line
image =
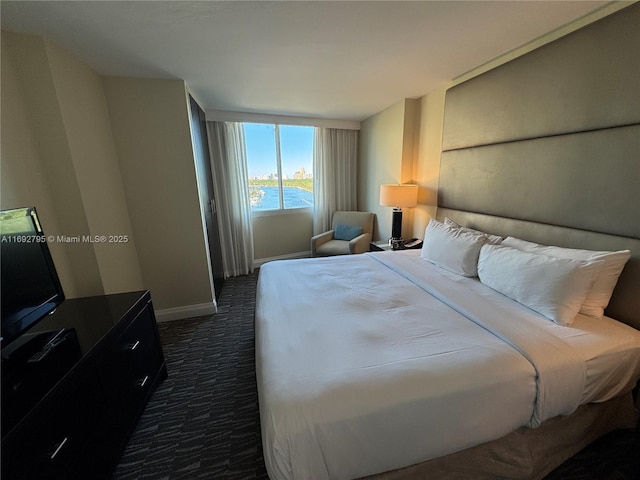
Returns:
point(360, 244)
point(320, 239)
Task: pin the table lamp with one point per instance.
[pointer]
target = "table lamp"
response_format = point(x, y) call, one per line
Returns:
point(398, 196)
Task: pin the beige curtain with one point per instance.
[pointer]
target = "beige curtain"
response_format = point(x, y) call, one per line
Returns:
point(229, 166)
point(335, 153)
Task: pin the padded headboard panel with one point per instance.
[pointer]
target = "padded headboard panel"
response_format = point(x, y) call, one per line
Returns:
point(587, 180)
point(547, 148)
point(584, 81)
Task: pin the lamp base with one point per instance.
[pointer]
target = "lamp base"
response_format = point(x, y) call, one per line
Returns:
point(396, 230)
point(396, 243)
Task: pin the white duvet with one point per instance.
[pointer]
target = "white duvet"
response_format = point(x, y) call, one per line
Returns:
point(370, 363)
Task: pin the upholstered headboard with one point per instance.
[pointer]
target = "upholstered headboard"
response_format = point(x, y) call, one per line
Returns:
point(547, 148)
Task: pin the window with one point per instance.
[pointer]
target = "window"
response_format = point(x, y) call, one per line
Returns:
point(280, 166)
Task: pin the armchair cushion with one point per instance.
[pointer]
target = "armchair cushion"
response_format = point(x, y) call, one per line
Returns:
point(360, 244)
point(333, 247)
point(347, 232)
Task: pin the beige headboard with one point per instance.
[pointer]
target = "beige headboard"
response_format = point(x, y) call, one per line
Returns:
point(547, 148)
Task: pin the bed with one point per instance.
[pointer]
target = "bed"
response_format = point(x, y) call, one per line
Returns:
point(375, 362)
point(392, 365)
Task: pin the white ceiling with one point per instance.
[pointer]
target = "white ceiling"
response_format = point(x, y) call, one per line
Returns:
point(327, 59)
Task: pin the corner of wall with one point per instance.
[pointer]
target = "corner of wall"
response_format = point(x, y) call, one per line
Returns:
point(39, 160)
point(85, 117)
point(150, 123)
point(387, 155)
point(427, 154)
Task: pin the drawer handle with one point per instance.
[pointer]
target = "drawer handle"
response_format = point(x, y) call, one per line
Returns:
point(141, 383)
point(57, 450)
point(135, 345)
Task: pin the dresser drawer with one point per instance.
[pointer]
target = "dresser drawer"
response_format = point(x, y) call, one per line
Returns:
point(127, 372)
point(120, 366)
point(124, 409)
point(51, 441)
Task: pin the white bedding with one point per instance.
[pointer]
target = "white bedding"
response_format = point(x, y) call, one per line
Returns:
point(363, 365)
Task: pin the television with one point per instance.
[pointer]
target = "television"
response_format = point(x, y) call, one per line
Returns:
point(30, 287)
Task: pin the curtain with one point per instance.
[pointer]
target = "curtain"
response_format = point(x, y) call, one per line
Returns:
point(335, 153)
point(231, 191)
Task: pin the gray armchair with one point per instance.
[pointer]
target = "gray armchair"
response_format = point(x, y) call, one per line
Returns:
point(347, 224)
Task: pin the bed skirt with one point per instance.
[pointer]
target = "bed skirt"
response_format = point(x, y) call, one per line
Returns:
point(526, 453)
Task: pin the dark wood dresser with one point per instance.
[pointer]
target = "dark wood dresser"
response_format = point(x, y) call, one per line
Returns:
point(68, 414)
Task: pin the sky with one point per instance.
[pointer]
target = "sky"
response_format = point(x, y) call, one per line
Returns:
point(296, 149)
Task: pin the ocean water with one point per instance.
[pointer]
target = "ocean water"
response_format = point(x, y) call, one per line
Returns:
point(293, 198)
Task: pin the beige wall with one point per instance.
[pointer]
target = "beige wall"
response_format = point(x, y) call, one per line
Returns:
point(55, 134)
point(104, 156)
point(22, 176)
point(386, 155)
point(150, 125)
point(276, 235)
point(87, 126)
point(427, 163)
point(400, 144)
point(61, 123)
point(388, 148)
point(382, 160)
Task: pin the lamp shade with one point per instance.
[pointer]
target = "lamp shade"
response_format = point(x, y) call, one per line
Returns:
point(398, 195)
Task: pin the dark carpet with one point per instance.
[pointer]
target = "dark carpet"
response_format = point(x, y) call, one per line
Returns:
point(203, 421)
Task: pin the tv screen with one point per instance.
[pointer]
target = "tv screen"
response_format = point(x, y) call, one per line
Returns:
point(30, 286)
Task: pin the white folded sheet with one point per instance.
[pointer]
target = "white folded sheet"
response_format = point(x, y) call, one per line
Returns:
point(360, 370)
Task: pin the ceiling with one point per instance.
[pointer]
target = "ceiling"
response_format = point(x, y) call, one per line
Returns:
point(327, 59)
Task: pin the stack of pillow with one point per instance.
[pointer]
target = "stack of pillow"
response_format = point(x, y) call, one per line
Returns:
point(556, 282)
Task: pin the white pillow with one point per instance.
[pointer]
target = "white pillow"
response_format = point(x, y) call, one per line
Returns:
point(554, 287)
point(452, 249)
point(602, 288)
point(492, 239)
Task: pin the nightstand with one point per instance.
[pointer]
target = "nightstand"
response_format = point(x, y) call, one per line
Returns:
point(379, 246)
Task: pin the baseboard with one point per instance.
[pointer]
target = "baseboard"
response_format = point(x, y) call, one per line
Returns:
point(188, 311)
point(258, 262)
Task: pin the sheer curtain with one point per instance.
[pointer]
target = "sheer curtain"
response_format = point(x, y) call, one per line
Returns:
point(335, 153)
point(230, 179)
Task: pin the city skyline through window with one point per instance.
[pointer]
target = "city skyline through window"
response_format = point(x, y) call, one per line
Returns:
point(280, 166)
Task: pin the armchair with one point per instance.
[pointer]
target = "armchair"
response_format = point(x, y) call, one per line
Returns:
point(350, 240)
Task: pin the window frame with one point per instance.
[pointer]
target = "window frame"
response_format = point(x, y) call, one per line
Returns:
point(281, 210)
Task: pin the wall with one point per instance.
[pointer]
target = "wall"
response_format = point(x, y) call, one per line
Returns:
point(380, 136)
point(105, 156)
point(23, 180)
point(282, 235)
point(402, 145)
point(427, 163)
point(58, 155)
point(87, 126)
point(386, 155)
point(150, 122)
